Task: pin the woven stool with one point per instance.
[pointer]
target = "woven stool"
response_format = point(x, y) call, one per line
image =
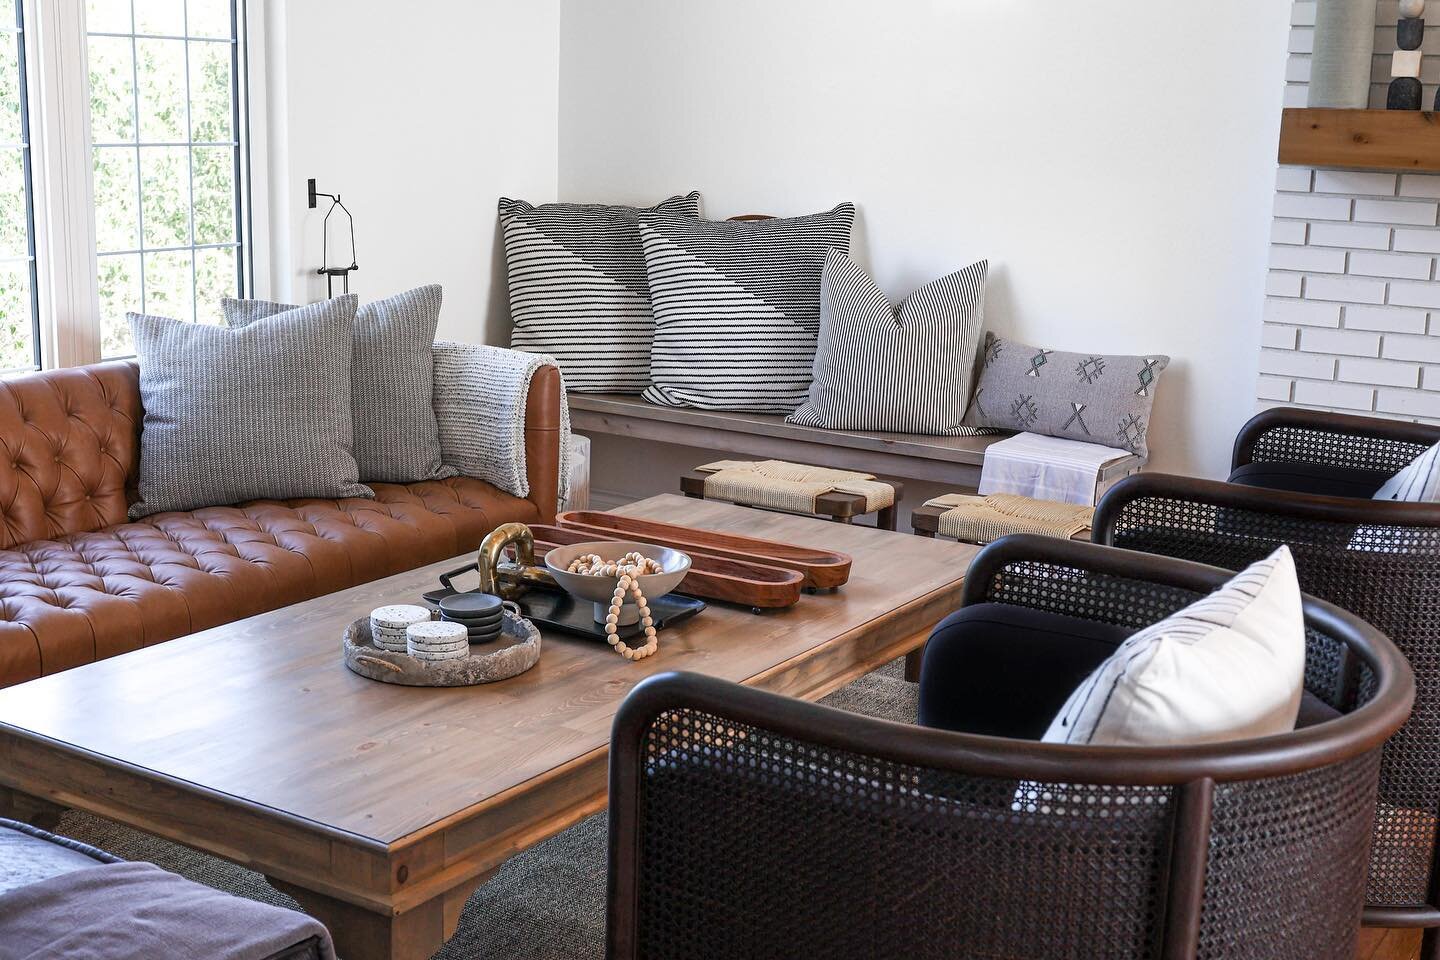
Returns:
point(976, 519)
point(836, 495)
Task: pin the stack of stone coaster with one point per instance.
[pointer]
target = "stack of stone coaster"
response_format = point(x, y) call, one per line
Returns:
point(1406, 93)
point(388, 625)
point(437, 640)
point(478, 613)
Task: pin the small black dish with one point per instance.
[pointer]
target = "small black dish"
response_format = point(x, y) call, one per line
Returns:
point(485, 622)
point(462, 607)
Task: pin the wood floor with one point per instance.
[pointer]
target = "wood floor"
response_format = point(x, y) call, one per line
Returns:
point(1376, 944)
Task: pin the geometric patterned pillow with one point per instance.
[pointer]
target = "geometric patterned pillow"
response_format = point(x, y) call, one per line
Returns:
point(1419, 482)
point(737, 307)
point(1079, 396)
point(578, 289)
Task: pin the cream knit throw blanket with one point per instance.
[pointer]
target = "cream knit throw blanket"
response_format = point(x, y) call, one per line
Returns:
point(779, 485)
point(982, 519)
point(480, 394)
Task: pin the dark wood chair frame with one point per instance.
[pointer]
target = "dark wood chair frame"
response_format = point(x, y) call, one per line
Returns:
point(1136, 511)
point(1193, 772)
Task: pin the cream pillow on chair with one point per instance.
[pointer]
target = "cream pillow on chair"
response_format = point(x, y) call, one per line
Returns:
point(1418, 482)
point(1230, 666)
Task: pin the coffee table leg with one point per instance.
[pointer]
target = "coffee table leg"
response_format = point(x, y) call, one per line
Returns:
point(15, 805)
point(361, 934)
point(913, 660)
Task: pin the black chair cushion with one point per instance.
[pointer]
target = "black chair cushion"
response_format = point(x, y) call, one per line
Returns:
point(1005, 671)
point(1315, 478)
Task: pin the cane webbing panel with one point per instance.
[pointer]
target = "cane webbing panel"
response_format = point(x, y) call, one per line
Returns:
point(776, 848)
point(759, 845)
point(1385, 574)
point(1295, 444)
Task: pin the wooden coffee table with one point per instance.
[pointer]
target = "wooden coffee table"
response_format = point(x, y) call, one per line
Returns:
point(380, 808)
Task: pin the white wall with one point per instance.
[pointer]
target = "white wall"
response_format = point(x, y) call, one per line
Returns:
point(1114, 160)
point(420, 116)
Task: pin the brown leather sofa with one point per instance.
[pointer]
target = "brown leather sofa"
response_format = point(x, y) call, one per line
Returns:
point(79, 583)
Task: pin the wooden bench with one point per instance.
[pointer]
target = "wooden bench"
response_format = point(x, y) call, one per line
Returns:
point(952, 461)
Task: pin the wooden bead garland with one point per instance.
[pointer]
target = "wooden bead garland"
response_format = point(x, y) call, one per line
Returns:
point(628, 568)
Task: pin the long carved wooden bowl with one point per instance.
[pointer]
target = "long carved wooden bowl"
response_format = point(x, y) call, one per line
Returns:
point(710, 577)
point(820, 568)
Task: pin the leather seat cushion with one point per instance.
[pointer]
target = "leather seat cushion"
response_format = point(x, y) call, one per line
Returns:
point(1318, 478)
point(85, 596)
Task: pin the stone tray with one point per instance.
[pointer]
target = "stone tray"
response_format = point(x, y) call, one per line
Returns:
point(516, 650)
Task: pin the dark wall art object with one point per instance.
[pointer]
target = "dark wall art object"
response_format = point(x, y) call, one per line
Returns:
point(327, 271)
point(1406, 92)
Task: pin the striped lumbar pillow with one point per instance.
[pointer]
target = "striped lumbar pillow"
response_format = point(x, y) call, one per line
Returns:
point(737, 307)
point(1419, 482)
point(578, 290)
point(1230, 666)
point(903, 369)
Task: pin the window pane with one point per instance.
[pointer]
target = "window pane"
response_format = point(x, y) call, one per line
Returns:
point(165, 189)
point(161, 76)
point(107, 16)
point(168, 291)
point(9, 82)
point(214, 278)
point(7, 13)
point(14, 219)
point(166, 17)
point(214, 194)
point(117, 199)
point(112, 89)
point(119, 278)
point(168, 230)
point(210, 103)
point(209, 18)
point(17, 345)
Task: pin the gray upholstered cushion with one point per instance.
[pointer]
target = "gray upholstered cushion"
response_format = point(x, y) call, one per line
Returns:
point(233, 414)
point(29, 855)
point(1096, 398)
point(578, 290)
point(396, 437)
point(904, 369)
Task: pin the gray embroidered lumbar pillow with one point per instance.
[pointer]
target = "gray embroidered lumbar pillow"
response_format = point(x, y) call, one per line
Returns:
point(1097, 398)
point(252, 413)
point(904, 369)
point(392, 381)
point(578, 290)
point(737, 307)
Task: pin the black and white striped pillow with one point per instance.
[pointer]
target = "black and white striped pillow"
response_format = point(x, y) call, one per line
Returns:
point(1230, 666)
point(737, 307)
point(1418, 482)
point(905, 369)
point(578, 290)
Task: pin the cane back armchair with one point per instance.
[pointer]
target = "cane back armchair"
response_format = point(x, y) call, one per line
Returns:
point(1378, 559)
point(745, 824)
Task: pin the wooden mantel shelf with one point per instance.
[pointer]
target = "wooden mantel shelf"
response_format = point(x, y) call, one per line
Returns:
point(1406, 140)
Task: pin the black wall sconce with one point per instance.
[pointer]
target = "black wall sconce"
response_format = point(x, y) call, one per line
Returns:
point(327, 271)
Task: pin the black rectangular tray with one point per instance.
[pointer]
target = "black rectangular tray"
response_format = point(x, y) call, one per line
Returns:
point(560, 611)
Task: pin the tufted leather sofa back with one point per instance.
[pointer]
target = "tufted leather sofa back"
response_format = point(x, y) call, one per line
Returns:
point(69, 448)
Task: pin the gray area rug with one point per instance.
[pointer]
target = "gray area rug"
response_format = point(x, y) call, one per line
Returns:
point(548, 903)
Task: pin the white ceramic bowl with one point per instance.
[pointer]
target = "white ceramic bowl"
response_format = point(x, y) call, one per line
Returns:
point(600, 590)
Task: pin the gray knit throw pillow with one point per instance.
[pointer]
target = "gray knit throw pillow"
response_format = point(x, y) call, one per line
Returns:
point(396, 437)
point(253, 413)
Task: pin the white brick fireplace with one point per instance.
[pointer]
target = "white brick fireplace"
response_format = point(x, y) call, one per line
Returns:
point(1352, 313)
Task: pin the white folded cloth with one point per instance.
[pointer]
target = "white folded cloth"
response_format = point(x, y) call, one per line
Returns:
point(1046, 468)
